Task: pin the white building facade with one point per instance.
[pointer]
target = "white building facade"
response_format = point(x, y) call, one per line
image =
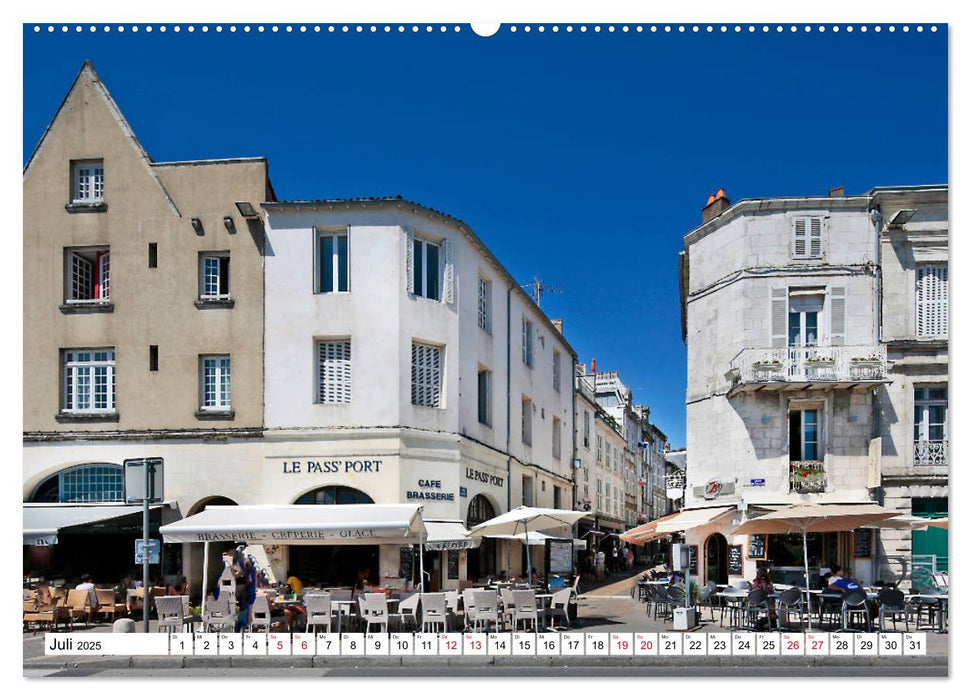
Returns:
point(405, 365)
point(788, 374)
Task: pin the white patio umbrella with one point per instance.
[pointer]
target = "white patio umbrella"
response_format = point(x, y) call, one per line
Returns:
point(523, 520)
point(814, 518)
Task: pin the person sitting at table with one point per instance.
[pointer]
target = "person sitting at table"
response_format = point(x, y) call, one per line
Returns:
point(294, 582)
point(837, 582)
point(180, 588)
point(43, 596)
point(764, 583)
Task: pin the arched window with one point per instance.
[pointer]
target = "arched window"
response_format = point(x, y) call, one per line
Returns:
point(85, 483)
point(333, 495)
point(480, 510)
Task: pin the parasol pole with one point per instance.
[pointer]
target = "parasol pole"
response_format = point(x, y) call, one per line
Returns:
point(421, 551)
point(205, 572)
point(805, 561)
point(529, 563)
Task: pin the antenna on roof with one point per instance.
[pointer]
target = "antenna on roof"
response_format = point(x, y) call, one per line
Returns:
point(537, 288)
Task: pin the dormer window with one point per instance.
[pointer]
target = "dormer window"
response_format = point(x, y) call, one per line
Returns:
point(88, 178)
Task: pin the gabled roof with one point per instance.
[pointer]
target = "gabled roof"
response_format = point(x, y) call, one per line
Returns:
point(400, 202)
point(87, 70)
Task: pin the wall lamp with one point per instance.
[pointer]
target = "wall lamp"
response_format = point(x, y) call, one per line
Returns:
point(197, 226)
point(901, 218)
point(247, 211)
point(230, 224)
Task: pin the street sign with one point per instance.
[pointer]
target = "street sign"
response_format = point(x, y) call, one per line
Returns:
point(153, 551)
point(135, 479)
point(756, 482)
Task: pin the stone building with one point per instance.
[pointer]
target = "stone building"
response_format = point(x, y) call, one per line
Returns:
point(791, 397)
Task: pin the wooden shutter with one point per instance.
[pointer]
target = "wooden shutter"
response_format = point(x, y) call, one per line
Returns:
point(448, 276)
point(780, 317)
point(932, 301)
point(815, 237)
point(334, 371)
point(837, 315)
point(410, 259)
point(799, 236)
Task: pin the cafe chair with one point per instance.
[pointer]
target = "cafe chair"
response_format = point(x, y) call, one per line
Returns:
point(434, 612)
point(375, 611)
point(559, 608)
point(172, 614)
point(407, 611)
point(79, 603)
point(486, 612)
point(893, 603)
point(706, 598)
point(452, 605)
point(261, 614)
point(107, 604)
point(855, 609)
point(756, 604)
point(318, 611)
point(508, 606)
point(219, 614)
point(918, 605)
point(525, 610)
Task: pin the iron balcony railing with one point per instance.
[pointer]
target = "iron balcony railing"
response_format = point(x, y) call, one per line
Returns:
point(808, 476)
point(930, 452)
point(818, 363)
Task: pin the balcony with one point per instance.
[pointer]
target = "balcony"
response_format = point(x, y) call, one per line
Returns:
point(807, 477)
point(816, 367)
point(928, 453)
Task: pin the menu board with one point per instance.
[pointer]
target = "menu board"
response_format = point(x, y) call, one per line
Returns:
point(453, 564)
point(734, 560)
point(863, 543)
point(406, 565)
point(560, 553)
point(758, 546)
point(693, 560)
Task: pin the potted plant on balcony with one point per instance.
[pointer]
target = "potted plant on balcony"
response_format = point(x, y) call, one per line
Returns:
point(807, 476)
point(767, 369)
point(820, 367)
point(865, 367)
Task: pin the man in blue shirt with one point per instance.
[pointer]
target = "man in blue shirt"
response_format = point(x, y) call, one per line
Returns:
point(838, 583)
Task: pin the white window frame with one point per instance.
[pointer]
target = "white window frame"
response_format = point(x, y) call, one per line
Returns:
point(333, 371)
point(334, 263)
point(922, 413)
point(216, 386)
point(87, 182)
point(527, 421)
point(527, 342)
point(419, 280)
point(818, 411)
point(557, 437)
point(484, 402)
point(211, 273)
point(88, 281)
point(586, 428)
point(931, 314)
point(807, 237)
point(556, 370)
point(82, 374)
point(427, 364)
point(485, 305)
point(600, 449)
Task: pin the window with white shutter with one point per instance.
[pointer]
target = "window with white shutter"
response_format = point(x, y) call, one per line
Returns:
point(556, 370)
point(556, 437)
point(779, 317)
point(932, 300)
point(427, 268)
point(807, 237)
point(527, 342)
point(485, 305)
point(426, 375)
point(527, 433)
point(334, 371)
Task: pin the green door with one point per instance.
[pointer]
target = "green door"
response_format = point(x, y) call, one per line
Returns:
point(933, 540)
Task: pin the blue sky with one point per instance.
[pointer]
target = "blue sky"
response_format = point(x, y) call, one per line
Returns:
point(582, 159)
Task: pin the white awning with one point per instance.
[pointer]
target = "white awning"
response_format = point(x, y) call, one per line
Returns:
point(348, 524)
point(446, 535)
point(688, 519)
point(42, 522)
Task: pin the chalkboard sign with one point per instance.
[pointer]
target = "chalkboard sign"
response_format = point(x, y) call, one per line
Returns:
point(406, 565)
point(863, 543)
point(693, 560)
point(758, 546)
point(734, 560)
point(453, 563)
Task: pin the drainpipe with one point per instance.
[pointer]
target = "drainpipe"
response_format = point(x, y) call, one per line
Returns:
point(508, 543)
